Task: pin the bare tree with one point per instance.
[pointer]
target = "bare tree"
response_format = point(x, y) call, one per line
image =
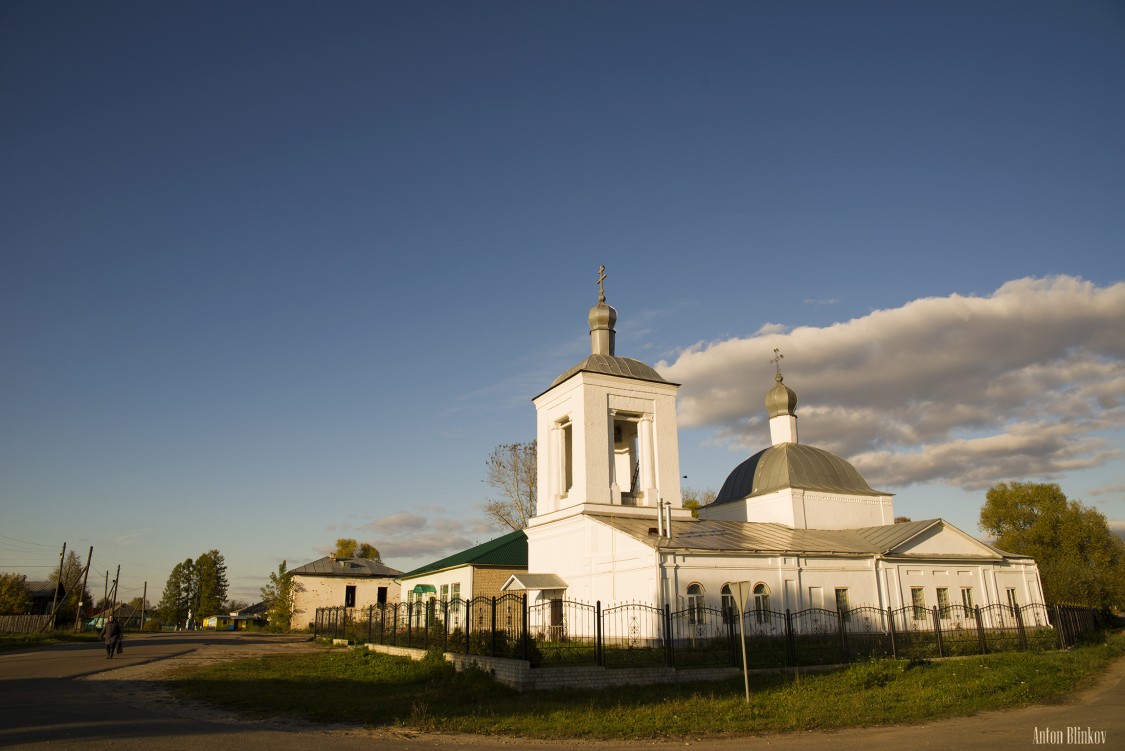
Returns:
point(512, 472)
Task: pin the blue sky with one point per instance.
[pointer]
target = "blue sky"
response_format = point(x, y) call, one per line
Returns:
point(276, 273)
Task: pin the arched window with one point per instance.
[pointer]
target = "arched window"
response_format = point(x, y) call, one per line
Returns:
point(730, 610)
point(761, 602)
point(695, 603)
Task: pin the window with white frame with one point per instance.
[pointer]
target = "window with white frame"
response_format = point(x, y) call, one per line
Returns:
point(761, 602)
point(967, 598)
point(695, 603)
point(918, 600)
point(943, 602)
point(1011, 593)
point(730, 610)
point(842, 602)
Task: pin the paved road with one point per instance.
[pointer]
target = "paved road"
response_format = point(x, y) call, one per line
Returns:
point(71, 697)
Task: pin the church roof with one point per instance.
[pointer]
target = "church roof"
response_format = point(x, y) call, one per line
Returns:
point(354, 567)
point(713, 536)
point(509, 551)
point(612, 365)
point(793, 465)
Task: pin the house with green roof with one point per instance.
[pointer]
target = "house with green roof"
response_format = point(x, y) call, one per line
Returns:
point(479, 571)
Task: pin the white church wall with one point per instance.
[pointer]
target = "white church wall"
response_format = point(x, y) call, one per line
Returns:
point(944, 539)
point(831, 511)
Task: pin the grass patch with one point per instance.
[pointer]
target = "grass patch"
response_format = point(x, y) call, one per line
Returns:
point(10, 642)
point(358, 686)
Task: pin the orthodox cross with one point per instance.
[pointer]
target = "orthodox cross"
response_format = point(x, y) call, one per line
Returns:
point(777, 358)
point(601, 283)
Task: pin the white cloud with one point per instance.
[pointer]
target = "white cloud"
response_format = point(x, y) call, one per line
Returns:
point(971, 390)
point(414, 537)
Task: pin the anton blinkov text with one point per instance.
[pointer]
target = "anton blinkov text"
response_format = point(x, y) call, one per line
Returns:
point(1070, 736)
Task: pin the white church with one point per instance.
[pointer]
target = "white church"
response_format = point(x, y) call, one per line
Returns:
point(793, 527)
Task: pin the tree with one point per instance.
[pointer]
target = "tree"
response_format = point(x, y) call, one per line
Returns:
point(347, 547)
point(695, 498)
point(179, 594)
point(512, 470)
point(71, 578)
point(902, 519)
point(15, 597)
point(210, 584)
point(1080, 560)
point(280, 598)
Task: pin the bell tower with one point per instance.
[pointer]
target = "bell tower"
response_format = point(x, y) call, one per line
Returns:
point(606, 430)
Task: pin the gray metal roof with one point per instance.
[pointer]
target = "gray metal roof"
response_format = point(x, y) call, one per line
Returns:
point(793, 465)
point(353, 567)
point(535, 581)
point(712, 536)
point(626, 367)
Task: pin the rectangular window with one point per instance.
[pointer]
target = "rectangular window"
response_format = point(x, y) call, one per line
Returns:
point(445, 593)
point(1012, 598)
point(349, 596)
point(382, 596)
point(918, 600)
point(568, 458)
point(842, 602)
point(943, 601)
point(458, 606)
point(967, 598)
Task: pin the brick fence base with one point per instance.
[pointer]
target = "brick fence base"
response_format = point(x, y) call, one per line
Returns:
point(519, 674)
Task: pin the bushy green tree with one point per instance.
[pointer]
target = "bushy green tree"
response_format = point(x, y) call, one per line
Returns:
point(210, 593)
point(280, 598)
point(694, 499)
point(179, 594)
point(347, 547)
point(15, 598)
point(1080, 560)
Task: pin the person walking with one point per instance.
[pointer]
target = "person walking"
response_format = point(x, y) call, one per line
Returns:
point(111, 635)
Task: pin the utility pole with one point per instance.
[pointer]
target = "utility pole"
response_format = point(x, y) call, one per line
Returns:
point(144, 603)
point(116, 578)
point(105, 595)
point(58, 583)
point(82, 592)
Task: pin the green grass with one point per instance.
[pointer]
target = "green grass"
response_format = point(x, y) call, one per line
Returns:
point(9, 642)
point(357, 686)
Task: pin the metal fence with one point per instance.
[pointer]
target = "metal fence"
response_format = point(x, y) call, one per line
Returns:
point(565, 632)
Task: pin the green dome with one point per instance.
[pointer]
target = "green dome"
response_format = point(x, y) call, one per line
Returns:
point(793, 465)
point(780, 400)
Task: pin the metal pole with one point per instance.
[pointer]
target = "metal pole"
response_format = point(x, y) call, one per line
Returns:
point(144, 602)
point(742, 639)
point(82, 593)
point(58, 583)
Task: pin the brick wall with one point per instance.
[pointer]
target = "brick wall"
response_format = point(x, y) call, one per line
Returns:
point(487, 581)
point(519, 674)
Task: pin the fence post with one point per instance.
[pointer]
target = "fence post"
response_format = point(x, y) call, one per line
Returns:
point(444, 625)
point(525, 629)
point(891, 631)
point(790, 642)
point(841, 625)
point(492, 642)
point(731, 648)
point(1019, 625)
point(468, 623)
point(937, 633)
point(599, 656)
point(980, 632)
point(669, 647)
point(1059, 631)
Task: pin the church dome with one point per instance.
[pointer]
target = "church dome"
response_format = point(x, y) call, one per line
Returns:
point(793, 465)
point(612, 365)
point(780, 400)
